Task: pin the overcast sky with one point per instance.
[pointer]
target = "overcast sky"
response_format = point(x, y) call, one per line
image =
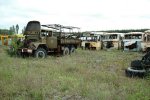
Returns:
point(86, 14)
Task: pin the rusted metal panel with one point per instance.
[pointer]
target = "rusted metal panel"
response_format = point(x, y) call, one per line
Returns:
point(69, 41)
point(95, 45)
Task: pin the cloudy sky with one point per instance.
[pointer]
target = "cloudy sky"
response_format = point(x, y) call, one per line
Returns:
point(86, 14)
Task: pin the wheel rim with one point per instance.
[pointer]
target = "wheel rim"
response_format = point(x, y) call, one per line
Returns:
point(72, 50)
point(40, 54)
point(66, 51)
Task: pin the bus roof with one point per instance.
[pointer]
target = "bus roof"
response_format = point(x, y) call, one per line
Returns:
point(134, 33)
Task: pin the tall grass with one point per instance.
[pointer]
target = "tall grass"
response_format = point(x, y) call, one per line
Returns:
point(85, 75)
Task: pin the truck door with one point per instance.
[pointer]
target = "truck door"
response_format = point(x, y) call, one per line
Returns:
point(51, 41)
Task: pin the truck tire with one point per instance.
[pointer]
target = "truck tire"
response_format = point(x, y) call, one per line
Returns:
point(136, 64)
point(40, 53)
point(66, 51)
point(131, 72)
point(72, 50)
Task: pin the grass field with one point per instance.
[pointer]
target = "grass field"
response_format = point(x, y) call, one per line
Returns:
point(84, 75)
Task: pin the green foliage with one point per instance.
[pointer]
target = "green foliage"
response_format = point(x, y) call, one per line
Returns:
point(12, 30)
point(4, 31)
point(15, 45)
point(17, 28)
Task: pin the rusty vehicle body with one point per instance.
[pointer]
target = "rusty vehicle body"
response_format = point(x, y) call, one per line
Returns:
point(92, 42)
point(137, 41)
point(42, 39)
point(4, 39)
point(145, 44)
point(112, 40)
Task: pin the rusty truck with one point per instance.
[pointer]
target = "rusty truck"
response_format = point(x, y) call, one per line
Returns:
point(137, 41)
point(43, 39)
point(112, 41)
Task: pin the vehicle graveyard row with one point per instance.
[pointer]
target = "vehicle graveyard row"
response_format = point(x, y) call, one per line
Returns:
point(39, 40)
point(132, 41)
point(43, 39)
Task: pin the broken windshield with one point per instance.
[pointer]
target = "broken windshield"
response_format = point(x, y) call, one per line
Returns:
point(112, 36)
point(133, 36)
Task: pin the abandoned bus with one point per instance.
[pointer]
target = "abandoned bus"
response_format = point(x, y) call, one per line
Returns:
point(145, 44)
point(112, 40)
point(132, 41)
point(92, 41)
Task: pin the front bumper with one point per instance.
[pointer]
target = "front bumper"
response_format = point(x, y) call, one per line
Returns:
point(25, 50)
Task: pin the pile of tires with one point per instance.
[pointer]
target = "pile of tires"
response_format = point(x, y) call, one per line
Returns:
point(135, 69)
point(139, 68)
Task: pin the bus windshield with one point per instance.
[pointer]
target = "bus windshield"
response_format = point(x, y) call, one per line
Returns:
point(133, 36)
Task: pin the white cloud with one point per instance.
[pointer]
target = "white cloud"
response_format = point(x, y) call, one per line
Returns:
point(87, 14)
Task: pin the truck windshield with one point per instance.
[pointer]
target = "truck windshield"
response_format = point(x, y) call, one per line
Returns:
point(33, 26)
point(133, 36)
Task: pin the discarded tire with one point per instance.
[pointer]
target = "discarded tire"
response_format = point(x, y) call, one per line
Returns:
point(134, 72)
point(136, 64)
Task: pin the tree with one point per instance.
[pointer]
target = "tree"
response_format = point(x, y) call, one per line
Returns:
point(12, 30)
point(17, 28)
point(4, 31)
point(23, 30)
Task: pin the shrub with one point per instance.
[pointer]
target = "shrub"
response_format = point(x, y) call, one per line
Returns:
point(15, 45)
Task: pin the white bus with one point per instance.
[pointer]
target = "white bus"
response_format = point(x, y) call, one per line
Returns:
point(132, 41)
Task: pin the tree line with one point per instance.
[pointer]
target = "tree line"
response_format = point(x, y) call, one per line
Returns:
point(125, 30)
point(14, 29)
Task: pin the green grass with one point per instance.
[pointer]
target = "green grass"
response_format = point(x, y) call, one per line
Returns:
point(84, 75)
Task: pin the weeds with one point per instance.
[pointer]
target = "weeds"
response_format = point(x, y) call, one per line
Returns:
point(85, 75)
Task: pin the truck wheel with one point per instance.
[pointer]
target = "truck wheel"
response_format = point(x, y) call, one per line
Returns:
point(66, 51)
point(40, 53)
point(72, 50)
